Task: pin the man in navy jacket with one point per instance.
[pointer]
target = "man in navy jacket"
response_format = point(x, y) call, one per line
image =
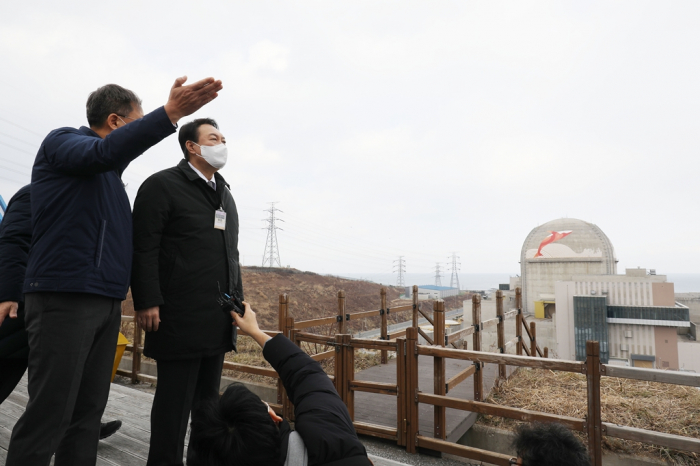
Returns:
point(79, 267)
point(15, 238)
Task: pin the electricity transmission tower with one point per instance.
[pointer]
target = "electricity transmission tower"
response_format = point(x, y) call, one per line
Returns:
point(401, 269)
point(454, 278)
point(438, 275)
point(271, 255)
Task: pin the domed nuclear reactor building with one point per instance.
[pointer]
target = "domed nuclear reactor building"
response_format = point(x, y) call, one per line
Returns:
point(556, 251)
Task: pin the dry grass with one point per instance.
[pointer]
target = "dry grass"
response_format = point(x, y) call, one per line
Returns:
point(654, 406)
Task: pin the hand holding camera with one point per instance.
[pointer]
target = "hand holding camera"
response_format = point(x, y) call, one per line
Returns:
point(249, 324)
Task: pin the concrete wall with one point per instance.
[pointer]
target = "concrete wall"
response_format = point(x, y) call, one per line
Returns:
point(666, 341)
point(663, 294)
point(546, 335)
point(688, 359)
point(566, 342)
point(500, 440)
point(540, 276)
point(639, 339)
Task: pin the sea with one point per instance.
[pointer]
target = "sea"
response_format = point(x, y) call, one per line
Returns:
point(683, 282)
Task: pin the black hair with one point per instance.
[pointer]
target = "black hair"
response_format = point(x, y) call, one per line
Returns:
point(109, 99)
point(235, 429)
point(549, 444)
point(190, 132)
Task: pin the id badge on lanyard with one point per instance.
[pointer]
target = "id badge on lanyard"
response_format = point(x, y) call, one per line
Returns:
point(220, 219)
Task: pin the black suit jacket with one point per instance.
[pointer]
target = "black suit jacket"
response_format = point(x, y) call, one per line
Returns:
point(181, 261)
point(15, 238)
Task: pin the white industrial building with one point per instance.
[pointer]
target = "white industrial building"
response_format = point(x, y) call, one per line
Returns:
point(634, 316)
point(432, 292)
point(557, 251)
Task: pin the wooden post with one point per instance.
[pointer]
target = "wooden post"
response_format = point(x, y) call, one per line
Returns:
point(476, 321)
point(519, 332)
point(348, 373)
point(136, 353)
point(546, 352)
point(401, 416)
point(533, 340)
point(439, 368)
point(341, 312)
point(593, 420)
point(287, 406)
point(411, 388)
point(281, 323)
point(339, 368)
point(384, 312)
point(519, 322)
point(415, 307)
point(501, 330)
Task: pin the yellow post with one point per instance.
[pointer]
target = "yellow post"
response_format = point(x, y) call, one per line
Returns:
point(121, 346)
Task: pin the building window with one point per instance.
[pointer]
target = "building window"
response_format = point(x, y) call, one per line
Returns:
point(590, 324)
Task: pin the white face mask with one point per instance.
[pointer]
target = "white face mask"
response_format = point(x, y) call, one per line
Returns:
point(215, 156)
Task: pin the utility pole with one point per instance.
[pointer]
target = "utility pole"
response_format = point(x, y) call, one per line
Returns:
point(454, 278)
point(271, 255)
point(438, 275)
point(401, 269)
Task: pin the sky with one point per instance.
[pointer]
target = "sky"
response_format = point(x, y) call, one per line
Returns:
point(395, 128)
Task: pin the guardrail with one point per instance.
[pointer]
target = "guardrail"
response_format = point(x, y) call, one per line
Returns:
point(387, 342)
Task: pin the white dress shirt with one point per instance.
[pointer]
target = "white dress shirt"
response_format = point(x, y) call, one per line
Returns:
point(211, 183)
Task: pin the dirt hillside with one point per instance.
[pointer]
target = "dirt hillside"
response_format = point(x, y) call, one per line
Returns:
point(312, 296)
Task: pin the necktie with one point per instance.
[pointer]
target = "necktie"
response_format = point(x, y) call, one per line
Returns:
point(212, 185)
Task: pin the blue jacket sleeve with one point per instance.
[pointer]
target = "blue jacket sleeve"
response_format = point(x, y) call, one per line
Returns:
point(71, 152)
point(15, 239)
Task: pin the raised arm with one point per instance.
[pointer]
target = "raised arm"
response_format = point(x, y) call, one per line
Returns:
point(322, 419)
point(70, 151)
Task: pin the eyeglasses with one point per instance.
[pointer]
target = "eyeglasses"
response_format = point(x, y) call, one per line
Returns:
point(124, 116)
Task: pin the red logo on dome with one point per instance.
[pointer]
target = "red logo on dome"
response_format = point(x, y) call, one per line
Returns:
point(554, 236)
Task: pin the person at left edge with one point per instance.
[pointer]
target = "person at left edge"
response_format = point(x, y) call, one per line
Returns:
point(79, 267)
point(185, 253)
point(15, 238)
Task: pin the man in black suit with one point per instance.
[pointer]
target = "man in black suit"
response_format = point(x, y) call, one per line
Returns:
point(15, 238)
point(185, 255)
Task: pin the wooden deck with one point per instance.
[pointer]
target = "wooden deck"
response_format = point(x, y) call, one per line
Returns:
point(381, 409)
point(129, 446)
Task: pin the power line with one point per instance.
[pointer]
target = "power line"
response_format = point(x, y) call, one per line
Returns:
point(16, 148)
point(454, 278)
point(272, 251)
point(401, 269)
point(438, 275)
point(15, 171)
point(33, 144)
point(22, 127)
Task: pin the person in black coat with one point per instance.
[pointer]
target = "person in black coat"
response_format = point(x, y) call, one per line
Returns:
point(240, 429)
point(185, 255)
point(15, 238)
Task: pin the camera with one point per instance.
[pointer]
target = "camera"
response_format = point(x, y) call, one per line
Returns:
point(231, 303)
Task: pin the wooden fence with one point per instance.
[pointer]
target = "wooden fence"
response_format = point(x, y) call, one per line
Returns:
point(405, 344)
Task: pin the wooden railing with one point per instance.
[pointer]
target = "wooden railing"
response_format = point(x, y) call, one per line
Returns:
point(387, 342)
